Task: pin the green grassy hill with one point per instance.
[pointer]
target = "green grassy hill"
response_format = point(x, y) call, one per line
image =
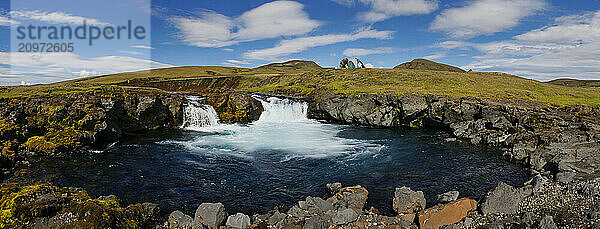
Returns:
point(423, 64)
point(310, 79)
point(575, 83)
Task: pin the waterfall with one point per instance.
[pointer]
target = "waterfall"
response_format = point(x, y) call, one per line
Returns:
point(197, 116)
point(283, 128)
point(277, 110)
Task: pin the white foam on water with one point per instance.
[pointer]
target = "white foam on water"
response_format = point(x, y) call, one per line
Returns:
point(283, 127)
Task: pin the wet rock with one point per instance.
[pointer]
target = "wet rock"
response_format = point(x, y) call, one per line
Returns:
point(333, 188)
point(502, 199)
point(413, 105)
point(354, 197)
point(235, 107)
point(211, 215)
point(344, 217)
point(408, 201)
point(276, 218)
point(316, 205)
point(446, 214)
point(238, 221)
point(315, 222)
point(179, 220)
point(297, 212)
point(547, 223)
point(447, 197)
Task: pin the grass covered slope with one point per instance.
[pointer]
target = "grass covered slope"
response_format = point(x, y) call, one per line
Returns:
point(308, 80)
point(423, 64)
point(575, 83)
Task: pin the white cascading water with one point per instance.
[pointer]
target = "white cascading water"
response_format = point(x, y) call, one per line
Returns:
point(197, 116)
point(282, 127)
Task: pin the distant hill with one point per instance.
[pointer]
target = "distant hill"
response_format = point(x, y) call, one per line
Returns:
point(575, 83)
point(423, 64)
point(293, 64)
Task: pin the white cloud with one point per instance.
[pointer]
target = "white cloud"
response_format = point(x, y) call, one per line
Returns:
point(130, 52)
point(55, 17)
point(435, 56)
point(569, 29)
point(296, 45)
point(142, 47)
point(344, 2)
point(485, 17)
point(568, 48)
point(384, 9)
point(369, 66)
point(271, 20)
point(238, 62)
point(5, 21)
point(84, 73)
point(52, 67)
point(365, 52)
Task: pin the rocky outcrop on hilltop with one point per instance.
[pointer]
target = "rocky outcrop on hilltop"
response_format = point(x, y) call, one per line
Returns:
point(560, 142)
point(57, 124)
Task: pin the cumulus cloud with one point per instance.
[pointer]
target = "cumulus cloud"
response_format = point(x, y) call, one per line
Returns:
point(365, 52)
point(568, 48)
point(271, 20)
point(568, 29)
point(296, 45)
point(52, 67)
point(385, 9)
point(484, 17)
point(54, 17)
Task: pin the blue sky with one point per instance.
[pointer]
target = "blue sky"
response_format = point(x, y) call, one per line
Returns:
point(538, 39)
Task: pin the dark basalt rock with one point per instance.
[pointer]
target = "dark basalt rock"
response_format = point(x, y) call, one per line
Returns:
point(235, 107)
point(58, 124)
point(533, 134)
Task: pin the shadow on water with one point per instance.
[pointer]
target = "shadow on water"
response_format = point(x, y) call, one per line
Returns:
point(165, 168)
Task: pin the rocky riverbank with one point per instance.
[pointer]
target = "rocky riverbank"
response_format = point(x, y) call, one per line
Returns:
point(561, 143)
point(538, 204)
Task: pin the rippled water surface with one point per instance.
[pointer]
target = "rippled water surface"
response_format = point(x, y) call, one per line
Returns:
point(280, 159)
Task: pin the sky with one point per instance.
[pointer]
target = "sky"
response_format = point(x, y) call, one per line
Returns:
point(536, 39)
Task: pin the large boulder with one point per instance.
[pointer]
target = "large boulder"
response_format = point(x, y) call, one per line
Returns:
point(344, 217)
point(408, 201)
point(238, 221)
point(447, 197)
point(179, 220)
point(315, 222)
point(447, 214)
point(354, 197)
point(502, 199)
point(211, 215)
point(235, 107)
